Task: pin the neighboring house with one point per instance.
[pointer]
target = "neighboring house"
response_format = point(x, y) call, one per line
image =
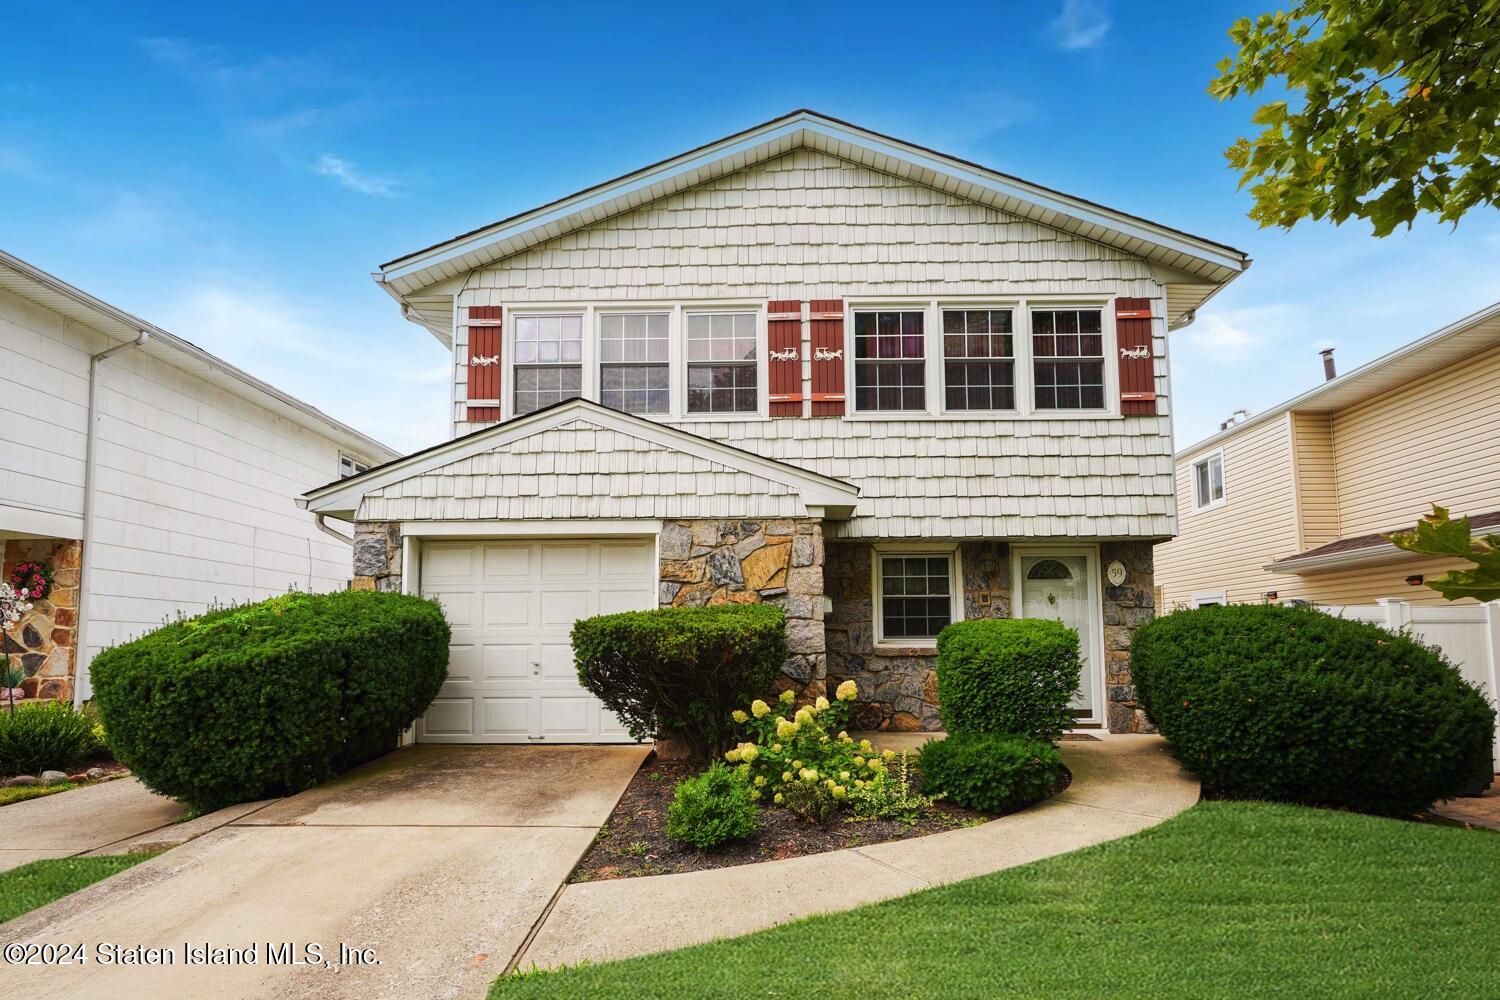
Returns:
point(880, 387)
point(1292, 503)
point(182, 496)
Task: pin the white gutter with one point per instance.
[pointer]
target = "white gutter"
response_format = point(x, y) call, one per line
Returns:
point(86, 561)
point(1384, 552)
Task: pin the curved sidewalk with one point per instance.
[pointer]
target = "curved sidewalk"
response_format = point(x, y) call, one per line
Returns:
point(1121, 785)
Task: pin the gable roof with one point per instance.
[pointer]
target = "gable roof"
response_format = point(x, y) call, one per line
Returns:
point(343, 497)
point(1460, 339)
point(1195, 266)
point(31, 282)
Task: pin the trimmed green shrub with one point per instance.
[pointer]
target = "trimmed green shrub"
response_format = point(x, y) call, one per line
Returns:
point(45, 736)
point(1295, 705)
point(268, 699)
point(681, 671)
point(712, 809)
point(1007, 675)
point(989, 772)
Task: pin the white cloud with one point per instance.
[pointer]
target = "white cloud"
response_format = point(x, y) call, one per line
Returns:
point(1081, 24)
point(345, 173)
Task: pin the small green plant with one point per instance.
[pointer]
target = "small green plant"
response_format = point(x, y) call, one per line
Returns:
point(10, 679)
point(990, 773)
point(711, 809)
point(41, 736)
point(638, 848)
point(892, 795)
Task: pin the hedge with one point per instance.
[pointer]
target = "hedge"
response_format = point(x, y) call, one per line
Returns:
point(1007, 675)
point(990, 772)
point(268, 699)
point(1295, 705)
point(45, 736)
point(679, 672)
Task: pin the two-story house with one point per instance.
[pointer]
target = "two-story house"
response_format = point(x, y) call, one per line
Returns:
point(1293, 503)
point(810, 365)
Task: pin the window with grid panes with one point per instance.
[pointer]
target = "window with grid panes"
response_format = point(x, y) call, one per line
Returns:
point(548, 365)
point(916, 595)
point(721, 363)
point(979, 359)
point(633, 353)
point(889, 361)
point(1067, 358)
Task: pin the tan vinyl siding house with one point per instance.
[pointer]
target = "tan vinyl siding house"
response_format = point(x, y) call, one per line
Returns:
point(1310, 485)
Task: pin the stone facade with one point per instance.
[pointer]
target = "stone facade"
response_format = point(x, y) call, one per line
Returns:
point(1126, 608)
point(898, 684)
point(43, 644)
point(778, 561)
point(377, 556)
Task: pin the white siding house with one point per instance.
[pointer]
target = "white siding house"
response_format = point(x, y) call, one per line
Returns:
point(195, 469)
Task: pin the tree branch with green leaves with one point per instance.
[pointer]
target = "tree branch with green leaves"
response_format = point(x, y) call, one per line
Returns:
point(1397, 107)
point(1437, 534)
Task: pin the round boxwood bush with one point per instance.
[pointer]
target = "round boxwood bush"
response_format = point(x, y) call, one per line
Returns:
point(989, 772)
point(45, 736)
point(682, 671)
point(1007, 675)
point(267, 699)
point(1296, 705)
point(712, 809)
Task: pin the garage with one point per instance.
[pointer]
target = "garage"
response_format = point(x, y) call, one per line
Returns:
point(511, 604)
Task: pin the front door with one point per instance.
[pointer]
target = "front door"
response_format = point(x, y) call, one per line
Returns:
point(1057, 587)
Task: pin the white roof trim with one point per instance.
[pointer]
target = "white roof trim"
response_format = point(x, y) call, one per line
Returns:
point(1470, 335)
point(1382, 552)
point(344, 496)
point(74, 303)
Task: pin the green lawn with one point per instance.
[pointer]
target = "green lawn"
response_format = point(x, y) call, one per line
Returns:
point(1226, 900)
point(40, 882)
point(23, 792)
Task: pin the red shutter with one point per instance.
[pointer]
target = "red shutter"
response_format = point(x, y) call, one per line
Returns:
point(1137, 368)
point(784, 357)
point(827, 316)
point(484, 362)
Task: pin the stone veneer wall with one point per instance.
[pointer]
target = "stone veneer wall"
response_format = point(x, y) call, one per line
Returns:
point(779, 562)
point(898, 685)
point(377, 556)
point(43, 644)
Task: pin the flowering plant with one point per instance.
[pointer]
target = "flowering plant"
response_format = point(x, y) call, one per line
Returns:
point(802, 758)
point(32, 580)
point(13, 605)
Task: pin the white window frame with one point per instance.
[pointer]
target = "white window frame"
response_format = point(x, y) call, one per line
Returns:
point(356, 465)
point(676, 331)
point(1021, 380)
point(1208, 459)
point(762, 366)
point(589, 352)
point(955, 588)
point(1205, 598)
point(851, 365)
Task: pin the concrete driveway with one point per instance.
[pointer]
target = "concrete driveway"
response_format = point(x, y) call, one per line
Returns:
point(435, 863)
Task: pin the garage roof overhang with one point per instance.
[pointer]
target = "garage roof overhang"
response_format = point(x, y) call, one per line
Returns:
point(823, 496)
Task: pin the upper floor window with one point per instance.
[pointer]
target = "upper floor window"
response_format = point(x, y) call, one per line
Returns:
point(979, 359)
point(721, 363)
point(351, 466)
point(890, 368)
point(1067, 348)
point(549, 361)
point(633, 354)
point(1208, 480)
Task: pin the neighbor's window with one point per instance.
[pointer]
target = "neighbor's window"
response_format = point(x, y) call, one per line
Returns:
point(915, 599)
point(1067, 347)
point(633, 362)
point(350, 466)
point(889, 361)
point(721, 359)
point(979, 359)
point(1208, 481)
point(549, 361)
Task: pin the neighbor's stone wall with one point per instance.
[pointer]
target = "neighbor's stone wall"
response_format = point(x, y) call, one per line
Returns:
point(1126, 608)
point(377, 556)
point(898, 684)
point(43, 644)
point(778, 561)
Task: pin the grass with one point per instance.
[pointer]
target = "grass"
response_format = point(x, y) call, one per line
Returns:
point(40, 882)
point(23, 792)
point(1227, 900)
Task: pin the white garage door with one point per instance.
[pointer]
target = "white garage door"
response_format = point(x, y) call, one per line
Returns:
point(511, 605)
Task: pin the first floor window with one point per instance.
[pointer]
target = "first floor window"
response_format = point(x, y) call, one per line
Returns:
point(633, 352)
point(721, 363)
point(979, 359)
point(890, 370)
point(1067, 348)
point(549, 361)
point(915, 601)
point(1208, 481)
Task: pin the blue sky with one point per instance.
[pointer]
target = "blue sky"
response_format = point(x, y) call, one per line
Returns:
point(235, 175)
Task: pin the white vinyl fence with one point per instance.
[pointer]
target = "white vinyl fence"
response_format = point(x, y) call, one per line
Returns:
point(1468, 634)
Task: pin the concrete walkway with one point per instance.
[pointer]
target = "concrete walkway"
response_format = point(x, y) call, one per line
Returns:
point(440, 860)
point(96, 818)
point(1121, 784)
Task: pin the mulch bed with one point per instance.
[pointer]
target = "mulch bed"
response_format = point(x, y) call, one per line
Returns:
point(633, 840)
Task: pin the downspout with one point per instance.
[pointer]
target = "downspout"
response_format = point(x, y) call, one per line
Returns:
point(322, 524)
point(86, 562)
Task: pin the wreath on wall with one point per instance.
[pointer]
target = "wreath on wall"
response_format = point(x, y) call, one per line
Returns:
point(32, 580)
